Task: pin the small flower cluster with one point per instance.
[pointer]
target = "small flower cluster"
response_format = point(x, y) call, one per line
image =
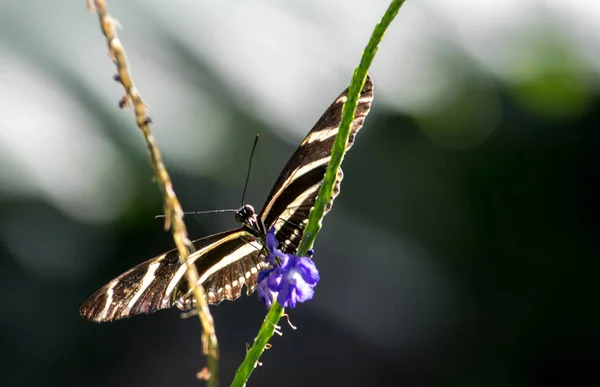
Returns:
point(290, 280)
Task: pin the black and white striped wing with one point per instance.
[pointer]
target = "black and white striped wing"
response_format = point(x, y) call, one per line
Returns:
point(294, 194)
point(229, 260)
point(225, 262)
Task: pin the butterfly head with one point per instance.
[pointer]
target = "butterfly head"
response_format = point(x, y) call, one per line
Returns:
point(244, 213)
point(246, 216)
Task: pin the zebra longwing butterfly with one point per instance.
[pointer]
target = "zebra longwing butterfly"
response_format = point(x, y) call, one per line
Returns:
point(229, 260)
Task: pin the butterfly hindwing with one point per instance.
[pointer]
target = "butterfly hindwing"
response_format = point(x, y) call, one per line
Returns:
point(160, 282)
point(225, 269)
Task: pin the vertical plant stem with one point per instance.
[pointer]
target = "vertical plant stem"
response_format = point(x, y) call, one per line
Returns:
point(326, 191)
point(172, 208)
point(341, 139)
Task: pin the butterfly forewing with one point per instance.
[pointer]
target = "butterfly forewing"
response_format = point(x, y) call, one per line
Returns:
point(228, 261)
point(293, 196)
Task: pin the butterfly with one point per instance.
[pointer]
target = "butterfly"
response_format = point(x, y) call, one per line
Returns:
point(230, 260)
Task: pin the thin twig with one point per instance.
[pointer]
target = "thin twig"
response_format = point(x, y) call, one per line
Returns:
point(172, 207)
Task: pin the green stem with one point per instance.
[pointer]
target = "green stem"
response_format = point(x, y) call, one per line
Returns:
point(326, 191)
point(341, 139)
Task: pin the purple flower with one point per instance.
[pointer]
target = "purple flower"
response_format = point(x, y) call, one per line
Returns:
point(291, 279)
point(299, 276)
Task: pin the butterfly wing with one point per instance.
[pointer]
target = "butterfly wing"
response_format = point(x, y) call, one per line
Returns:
point(225, 262)
point(293, 196)
point(228, 260)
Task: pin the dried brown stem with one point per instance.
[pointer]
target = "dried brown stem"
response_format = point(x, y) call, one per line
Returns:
point(172, 208)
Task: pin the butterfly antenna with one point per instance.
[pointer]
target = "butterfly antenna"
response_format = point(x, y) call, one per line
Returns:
point(201, 212)
point(249, 169)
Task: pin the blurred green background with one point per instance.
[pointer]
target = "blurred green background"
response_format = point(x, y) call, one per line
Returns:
point(463, 250)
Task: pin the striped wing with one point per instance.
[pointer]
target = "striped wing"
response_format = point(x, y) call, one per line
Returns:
point(294, 194)
point(225, 262)
point(228, 260)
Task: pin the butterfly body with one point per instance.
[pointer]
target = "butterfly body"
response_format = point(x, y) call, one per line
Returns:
point(230, 260)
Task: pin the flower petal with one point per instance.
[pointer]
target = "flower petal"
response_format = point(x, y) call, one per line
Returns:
point(264, 274)
point(310, 274)
point(274, 280)
point(304, 292)
point(265, 294)
point(289, 262)
point(272, 242)
point(287, 296)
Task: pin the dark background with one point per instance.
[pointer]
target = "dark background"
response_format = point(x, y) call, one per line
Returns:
point(463, 250)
